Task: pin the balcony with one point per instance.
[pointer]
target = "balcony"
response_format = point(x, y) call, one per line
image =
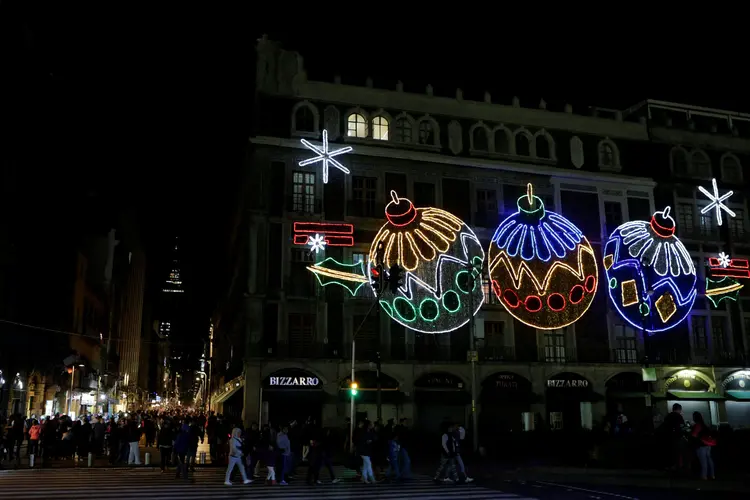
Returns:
point(503, 353)
point(301, 205)
point(364, 208)
point(486, 219)
point(555, 354)
point(625, 356)
point(286, 350)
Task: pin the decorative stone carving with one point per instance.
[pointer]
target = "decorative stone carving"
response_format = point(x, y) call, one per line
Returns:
point(576, 152)
point(455, 137)
point(287, 71)
point(399, 86)
point(487, 97)
point(542, 104)
point(516, 102)
point(459, 95)
point(429, 90)
point(265, 75)
point(332, 122)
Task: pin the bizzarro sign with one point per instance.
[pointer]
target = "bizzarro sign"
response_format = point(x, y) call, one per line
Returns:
point(294, 381)
point(567, 384)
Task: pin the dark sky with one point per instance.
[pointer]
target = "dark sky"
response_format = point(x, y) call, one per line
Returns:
point(155, 108)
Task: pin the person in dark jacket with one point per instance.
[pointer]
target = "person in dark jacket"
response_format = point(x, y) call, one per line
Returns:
point(447, 456)
point(364, 444)
point(323, 449)
point(252, 441)
point(165, 441)
point(181, 447)
point(195, 436)
point(134, 437)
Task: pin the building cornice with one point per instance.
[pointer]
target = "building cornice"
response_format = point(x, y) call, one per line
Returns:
point(349, 95)
point(579, 176)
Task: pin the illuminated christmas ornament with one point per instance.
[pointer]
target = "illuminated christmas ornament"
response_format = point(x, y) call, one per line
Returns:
point(542, 267)
point(650, 273)
point(442, 261)
point(325, 157)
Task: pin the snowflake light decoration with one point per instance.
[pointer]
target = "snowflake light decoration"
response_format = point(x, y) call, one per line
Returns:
point(717, 202)
point(317, 243)
point(325, 156)
point(724, 259)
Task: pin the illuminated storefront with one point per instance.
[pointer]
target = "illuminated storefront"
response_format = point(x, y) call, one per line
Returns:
point(695, 391)
point(737, 390)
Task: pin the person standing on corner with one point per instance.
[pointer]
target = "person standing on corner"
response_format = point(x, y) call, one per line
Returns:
point(134, 436)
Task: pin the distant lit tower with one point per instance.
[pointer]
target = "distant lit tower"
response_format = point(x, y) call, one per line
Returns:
point(174, 282)
point(169, 307)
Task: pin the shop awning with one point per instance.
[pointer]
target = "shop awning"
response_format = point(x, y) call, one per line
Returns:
point(695, 395)
point(744, 395)
point(229, 390)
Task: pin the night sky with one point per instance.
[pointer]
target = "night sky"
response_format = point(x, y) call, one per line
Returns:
point(155, 112)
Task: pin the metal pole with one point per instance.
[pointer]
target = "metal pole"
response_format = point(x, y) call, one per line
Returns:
point(379, 394)
point(474, 416)
point(70, 399)
point(351, 408)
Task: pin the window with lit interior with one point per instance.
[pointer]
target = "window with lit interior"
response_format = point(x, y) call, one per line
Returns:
point(356, 126)
point(380, 128)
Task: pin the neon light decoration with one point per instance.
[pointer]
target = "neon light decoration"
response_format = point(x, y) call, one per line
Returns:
point(334, 234)
point(326, 157)
point(717, 202)
point(442, 261)
point(729, 270)
point(650, 273)
point(332, 272)
point(542, 267)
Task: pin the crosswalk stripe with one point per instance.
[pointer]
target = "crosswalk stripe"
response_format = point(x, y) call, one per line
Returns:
point(208, 483)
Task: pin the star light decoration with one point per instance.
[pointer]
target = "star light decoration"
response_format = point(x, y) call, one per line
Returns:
point(724, 259)
point(317, 243)
point(325, 156)
point(717, 202)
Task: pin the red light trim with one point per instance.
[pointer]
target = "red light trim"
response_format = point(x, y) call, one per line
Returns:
point(661, 231)
point(532, 298)
point(549, 303)
point(590, 283)
point(730, 273)
point(508, 296)
point(323, 228)
point(739, 264)
point(570, 295)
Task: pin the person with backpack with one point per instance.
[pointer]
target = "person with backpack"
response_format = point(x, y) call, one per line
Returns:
point(702, 435)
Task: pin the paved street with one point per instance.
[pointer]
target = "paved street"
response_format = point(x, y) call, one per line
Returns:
point(208, 483)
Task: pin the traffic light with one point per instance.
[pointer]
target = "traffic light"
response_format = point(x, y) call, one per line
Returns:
point(377, 279)
point(395, 278)
point(353, 388)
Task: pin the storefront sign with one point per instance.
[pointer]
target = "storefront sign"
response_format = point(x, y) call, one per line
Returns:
point(439, 381)
point(289, 381)
point(506, 382)
point(687, 380)
point(737, 381)
point(568, 381)
point(88, 399)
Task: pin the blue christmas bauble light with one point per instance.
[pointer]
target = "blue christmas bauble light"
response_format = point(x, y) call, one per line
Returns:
point(650, 274)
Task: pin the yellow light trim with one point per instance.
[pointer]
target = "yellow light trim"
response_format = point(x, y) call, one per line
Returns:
point(332, 273)
point(388, 248)
point(440, 237)
point(442, 221)
point(608, 261)
point(665, 306)
point(629, 291)
point(724, 289)
point(541, 287)
point(437, 212)
point(416, 248)
point(374, 247)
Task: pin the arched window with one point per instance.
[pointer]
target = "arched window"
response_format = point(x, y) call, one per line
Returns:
point(606, 155)
point(403, 130)
point(523, 145)
point(701, 164)
point(502, 141)
point(731, 171)
point(304, 119)
point(679, 161)
point(356, 126)
point(426, 133)
point(480, 141)
point(380, 128)
point(543, 149)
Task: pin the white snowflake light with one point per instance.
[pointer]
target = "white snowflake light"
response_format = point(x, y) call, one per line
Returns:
point(325, 156)
point(724, 259)
point(317, 243)
point(717, 202)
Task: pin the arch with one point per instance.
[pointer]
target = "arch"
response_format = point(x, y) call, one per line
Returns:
point(608, 154)
point(523, 142)
point(547, 150)
point(700, 164)
point(270, 370)
point(301, 124)
point(502, 140)
point(404, 129)
point(480, 138)
point(728, 162)
point(357, 123)
point(378, 134)
point(627, 374)
point(428, 136)
point(388, 382)
point(678, 161)
point(698, 374)
point(439, 373)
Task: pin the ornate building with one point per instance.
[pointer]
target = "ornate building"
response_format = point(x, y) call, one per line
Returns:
point(474, 159)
